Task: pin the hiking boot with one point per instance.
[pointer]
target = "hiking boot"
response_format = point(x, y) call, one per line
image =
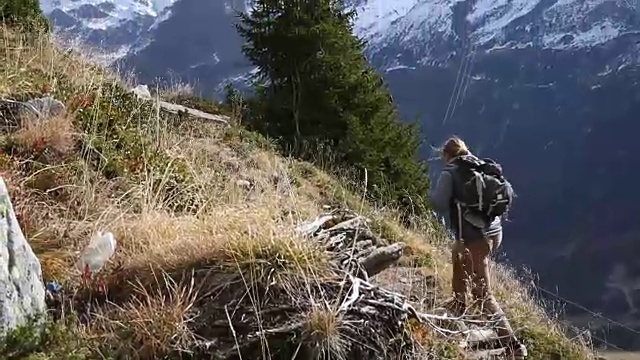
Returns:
point(516, 350)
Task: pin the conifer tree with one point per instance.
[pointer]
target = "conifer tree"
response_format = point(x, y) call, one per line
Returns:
point(25, 13)
point(317, 90)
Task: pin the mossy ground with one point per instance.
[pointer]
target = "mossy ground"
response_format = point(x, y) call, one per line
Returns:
point(169, 191)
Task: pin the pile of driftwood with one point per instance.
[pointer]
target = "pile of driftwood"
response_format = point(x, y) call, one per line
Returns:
point(343, 316)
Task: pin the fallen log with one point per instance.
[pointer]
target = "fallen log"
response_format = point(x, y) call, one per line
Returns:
point(143, 93)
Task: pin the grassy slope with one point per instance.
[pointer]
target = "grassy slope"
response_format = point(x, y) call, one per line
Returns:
point(63, 191)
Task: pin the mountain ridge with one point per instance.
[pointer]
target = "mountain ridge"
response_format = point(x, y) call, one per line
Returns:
point(418, 24)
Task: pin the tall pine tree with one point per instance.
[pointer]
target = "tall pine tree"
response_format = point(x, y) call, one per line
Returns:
point(316, 90)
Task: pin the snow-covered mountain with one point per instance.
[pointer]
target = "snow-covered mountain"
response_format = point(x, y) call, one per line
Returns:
point(431, 32)
point(550, 88)
point(420, 27)
point(112, 29)
point(101, 14)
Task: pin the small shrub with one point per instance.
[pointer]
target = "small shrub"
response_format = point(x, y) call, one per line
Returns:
point(198, 103)
point(51, 340)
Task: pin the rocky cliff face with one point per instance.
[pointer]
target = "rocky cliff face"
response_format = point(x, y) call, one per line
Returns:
point(547, 87)
point(21, 287)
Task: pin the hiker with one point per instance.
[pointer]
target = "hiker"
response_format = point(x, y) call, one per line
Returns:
point(475, 218)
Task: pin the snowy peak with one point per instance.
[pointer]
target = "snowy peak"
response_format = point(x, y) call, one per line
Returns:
point(376, 17)
point(398, 32)
point(103, 14)
point(555, 23)
point(578, 24)
point(422, 26)
point(111, 28)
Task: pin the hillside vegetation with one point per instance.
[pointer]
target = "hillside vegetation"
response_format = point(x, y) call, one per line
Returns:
point(204, 216)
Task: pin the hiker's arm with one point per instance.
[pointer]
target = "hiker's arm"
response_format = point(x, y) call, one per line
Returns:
point(441, 196)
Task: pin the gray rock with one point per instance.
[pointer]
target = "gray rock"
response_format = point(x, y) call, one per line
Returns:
point(21, 288)
point(142, 91)
point(44, 107)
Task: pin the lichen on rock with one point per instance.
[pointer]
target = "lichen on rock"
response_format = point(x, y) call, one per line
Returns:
point(21, 288)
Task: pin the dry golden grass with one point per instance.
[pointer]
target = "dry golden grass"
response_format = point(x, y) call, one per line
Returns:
point(154, 323)
point(531, 321)
point(253, 199)
point(324, 332)
point(237, 238)
point(176, 90)
point(55, 134)
point(29, 63)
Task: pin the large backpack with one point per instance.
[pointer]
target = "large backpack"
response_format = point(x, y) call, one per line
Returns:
point(480, 188)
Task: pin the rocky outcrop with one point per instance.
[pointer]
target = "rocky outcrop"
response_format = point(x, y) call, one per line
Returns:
point(42, 108)
point(21, 288)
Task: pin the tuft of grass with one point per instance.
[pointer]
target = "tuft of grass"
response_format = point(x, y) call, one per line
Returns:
point(196, 102)
point(155, 323)
point(53, 137)
point(324, 333)
point(249, 241)
point(175, 91)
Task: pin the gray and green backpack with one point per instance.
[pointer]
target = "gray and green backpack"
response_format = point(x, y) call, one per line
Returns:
point(480, 188)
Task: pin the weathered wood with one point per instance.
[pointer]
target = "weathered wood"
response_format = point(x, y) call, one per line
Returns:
point(382, 258)
point(144, 94)
point(370, 319)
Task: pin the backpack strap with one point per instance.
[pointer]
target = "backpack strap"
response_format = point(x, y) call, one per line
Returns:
point(459, 213)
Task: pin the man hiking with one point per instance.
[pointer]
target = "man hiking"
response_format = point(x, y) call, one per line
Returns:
point(475, 195)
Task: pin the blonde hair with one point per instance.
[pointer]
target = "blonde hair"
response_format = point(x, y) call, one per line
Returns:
point(454, 147)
